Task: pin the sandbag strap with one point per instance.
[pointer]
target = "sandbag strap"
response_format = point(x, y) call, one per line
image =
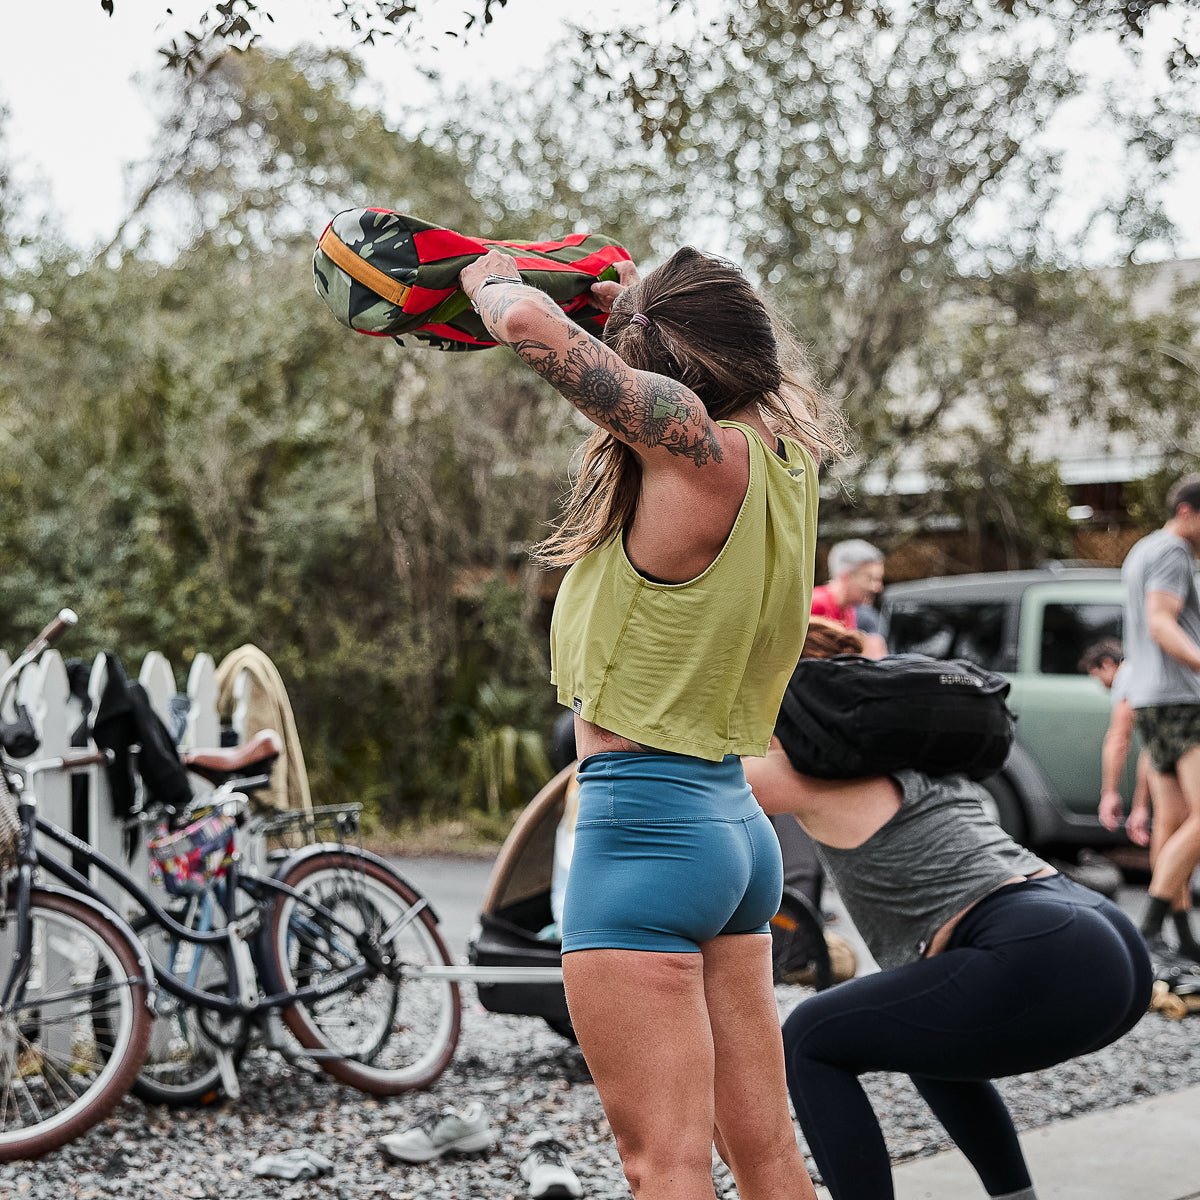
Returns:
point(361, 270)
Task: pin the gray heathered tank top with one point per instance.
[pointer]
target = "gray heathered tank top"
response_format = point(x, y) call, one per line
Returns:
point(937, 855)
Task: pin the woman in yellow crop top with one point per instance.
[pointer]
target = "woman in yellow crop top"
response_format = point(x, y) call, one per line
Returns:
point(690, 538)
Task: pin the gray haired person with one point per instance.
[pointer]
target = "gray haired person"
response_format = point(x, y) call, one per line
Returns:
point(855, 579)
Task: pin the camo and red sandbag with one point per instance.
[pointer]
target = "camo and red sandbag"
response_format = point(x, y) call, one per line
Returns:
point(385, 274)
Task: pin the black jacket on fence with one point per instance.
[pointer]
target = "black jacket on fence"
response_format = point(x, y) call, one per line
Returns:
point(124, 719)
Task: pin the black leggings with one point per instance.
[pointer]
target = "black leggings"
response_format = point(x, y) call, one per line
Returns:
point(1036, 973)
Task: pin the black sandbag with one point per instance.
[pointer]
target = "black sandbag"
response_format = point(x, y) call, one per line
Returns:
point(850, 716)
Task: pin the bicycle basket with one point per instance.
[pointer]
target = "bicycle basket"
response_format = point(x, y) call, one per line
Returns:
point(10, 826)
point(191, 859)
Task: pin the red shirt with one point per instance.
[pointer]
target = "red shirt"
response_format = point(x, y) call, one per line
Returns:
point(824, 605)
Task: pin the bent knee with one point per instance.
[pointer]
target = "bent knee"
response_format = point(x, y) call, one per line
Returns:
point(1187, 831)
point(807, 1046)
point(799, 1026)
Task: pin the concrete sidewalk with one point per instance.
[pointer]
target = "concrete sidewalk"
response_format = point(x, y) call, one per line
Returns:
point(1144, 1151)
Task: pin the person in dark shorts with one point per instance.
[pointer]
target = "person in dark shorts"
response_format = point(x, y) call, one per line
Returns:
point(1162, 645)
point(982, 946)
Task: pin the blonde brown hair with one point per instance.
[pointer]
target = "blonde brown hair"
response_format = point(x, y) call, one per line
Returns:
point(703, 325)
point(826, 639)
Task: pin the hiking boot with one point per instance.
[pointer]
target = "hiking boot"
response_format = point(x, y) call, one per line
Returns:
point(546, 1170)
point(448, 1132)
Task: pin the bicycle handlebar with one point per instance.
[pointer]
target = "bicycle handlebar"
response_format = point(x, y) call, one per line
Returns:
point(53, 632)
point(73, 761)
point(65, 620)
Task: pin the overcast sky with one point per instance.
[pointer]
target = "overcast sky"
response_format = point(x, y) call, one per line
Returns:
point(77, 117)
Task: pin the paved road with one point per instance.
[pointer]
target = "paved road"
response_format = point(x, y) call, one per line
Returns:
point(455, 888)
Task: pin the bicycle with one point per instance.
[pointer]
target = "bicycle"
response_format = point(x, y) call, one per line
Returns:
point(327, 899)
point(75, 999)
point(332, 939)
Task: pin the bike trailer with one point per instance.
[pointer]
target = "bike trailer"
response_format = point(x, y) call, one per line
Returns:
point(517, 907)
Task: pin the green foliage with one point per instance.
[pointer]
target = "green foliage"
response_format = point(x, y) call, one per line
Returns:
point(196, 456)
point(262, 148)
point(507, 764)
point(878, 167)
point(1147, 498)
point(239, 24)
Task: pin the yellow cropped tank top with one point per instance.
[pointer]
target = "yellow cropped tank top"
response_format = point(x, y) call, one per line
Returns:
point(698, 667)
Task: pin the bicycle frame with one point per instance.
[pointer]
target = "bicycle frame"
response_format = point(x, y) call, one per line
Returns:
point(228, 1006)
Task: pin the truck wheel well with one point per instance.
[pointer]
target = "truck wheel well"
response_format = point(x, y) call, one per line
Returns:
point(1006, 808)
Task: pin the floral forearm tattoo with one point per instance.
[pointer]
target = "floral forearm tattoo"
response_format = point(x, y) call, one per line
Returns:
point(640, 408)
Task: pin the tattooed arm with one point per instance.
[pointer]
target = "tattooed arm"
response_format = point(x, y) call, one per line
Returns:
point(656, 416)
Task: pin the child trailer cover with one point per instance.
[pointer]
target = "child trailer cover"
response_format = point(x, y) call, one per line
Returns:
point(386, 274)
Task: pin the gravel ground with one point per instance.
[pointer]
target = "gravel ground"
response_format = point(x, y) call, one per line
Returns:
point(530, 1079)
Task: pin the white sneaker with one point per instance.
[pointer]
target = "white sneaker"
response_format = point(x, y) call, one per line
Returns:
point(449, 1132)
point(546, 1170)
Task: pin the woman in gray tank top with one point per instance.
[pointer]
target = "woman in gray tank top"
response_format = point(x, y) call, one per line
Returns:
point(982, 945)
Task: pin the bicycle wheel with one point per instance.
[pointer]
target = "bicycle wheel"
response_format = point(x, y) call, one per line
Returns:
point(355, 910)
point(182, 1068)
point(60, 1072)
point(392, 1031)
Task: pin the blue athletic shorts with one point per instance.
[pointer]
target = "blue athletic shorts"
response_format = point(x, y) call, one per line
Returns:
point(670, 851)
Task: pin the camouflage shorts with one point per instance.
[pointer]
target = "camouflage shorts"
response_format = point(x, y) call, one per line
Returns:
point(1169, 731)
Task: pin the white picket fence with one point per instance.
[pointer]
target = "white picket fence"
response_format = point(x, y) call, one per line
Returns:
point(56, 713)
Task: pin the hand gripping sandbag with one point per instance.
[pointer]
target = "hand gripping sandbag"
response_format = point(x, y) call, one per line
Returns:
point(850, 716)
point(386, 274)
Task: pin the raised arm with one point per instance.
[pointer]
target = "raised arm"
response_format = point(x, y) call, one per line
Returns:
point(655, 416)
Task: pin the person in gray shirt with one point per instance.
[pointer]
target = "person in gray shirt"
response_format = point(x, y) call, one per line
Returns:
point(1162, 644)
point(982, 946)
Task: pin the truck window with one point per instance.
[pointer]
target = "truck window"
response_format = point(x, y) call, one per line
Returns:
point(974, 631)
point(1069, 629)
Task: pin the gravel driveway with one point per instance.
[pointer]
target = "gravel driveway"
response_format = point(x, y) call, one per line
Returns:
point(529, 1078)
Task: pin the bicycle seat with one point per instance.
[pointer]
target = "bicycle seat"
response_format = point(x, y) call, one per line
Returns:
point(252, 757)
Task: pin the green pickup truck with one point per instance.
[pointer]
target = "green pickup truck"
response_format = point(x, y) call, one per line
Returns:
point(1031, 626)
